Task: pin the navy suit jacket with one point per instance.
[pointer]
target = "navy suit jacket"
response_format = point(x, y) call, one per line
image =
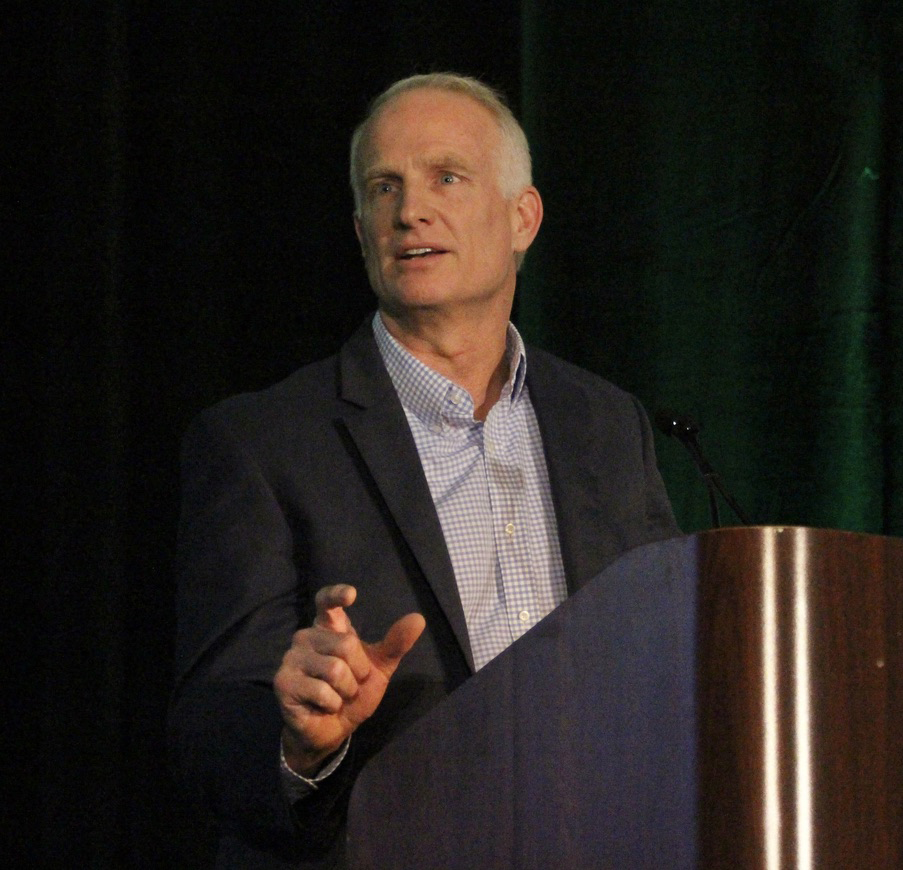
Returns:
point(316, 481)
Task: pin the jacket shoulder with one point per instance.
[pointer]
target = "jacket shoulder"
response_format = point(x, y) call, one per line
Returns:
point(306, 393)
point(549, 369)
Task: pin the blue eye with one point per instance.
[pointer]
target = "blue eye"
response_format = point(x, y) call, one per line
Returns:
point(449, 178)
point(380, 189)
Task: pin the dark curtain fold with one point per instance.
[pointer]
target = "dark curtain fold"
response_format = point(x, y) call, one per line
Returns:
point(723, 236)
point(723, 193)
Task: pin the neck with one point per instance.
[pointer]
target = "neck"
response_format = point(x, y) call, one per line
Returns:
point(468, 351)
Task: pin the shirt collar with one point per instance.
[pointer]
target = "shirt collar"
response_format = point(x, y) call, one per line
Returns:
point(425, 392)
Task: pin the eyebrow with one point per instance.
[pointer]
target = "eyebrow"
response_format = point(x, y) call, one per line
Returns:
point(449, 161)
point(443, 161)
point(379, 172)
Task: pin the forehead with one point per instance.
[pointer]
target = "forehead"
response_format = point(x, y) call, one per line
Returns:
point(427, 120)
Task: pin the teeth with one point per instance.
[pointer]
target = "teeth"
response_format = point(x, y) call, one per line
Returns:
point(418, 252)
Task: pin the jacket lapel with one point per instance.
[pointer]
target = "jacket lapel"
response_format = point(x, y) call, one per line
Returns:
point(375, 421)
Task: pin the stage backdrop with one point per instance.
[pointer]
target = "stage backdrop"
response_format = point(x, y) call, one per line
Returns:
point(723, 236)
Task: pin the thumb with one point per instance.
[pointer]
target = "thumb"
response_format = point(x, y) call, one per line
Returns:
point(398, 641)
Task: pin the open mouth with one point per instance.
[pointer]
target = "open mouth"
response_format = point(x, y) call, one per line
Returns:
point(417, 253)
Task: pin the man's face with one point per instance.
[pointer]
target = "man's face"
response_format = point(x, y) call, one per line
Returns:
point(434, 227)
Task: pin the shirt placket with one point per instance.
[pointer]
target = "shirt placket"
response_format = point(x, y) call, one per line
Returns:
point(506, 488)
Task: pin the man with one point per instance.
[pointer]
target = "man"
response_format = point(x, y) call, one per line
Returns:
point(450, 486)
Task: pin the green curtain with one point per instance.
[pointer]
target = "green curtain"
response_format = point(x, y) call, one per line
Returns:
point(722, 236)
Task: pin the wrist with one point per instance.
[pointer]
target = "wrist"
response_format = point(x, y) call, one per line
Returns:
point(300, 758)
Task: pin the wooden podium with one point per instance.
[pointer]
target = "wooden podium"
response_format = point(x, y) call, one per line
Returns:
point(731, 699)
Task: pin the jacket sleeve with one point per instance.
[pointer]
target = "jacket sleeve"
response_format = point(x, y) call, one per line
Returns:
point(240, 598)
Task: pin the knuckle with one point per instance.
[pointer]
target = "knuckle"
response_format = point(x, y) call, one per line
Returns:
point(288, 657)
point(346, 645)
point(322, 696)
point(287, 678)
point(334, 671)
point(302, 637)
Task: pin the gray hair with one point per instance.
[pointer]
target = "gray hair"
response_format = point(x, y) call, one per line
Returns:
point(513, 157)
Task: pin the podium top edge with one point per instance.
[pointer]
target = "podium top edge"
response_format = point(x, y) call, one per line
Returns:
point(779, 529)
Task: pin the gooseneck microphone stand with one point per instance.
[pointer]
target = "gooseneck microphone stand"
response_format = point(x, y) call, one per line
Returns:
point(686, 430)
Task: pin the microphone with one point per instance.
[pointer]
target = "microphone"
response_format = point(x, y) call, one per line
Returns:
point(685, 429)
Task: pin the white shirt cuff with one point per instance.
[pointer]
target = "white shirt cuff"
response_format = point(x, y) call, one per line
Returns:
point(296, 786)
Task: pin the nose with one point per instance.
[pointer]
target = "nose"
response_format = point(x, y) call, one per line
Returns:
point(413, 206)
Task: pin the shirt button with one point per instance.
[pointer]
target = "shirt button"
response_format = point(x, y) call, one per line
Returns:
point(509, 529)
point(456, 398)
point(524, 616)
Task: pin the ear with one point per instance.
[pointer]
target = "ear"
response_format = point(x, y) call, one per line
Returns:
point(526, 216)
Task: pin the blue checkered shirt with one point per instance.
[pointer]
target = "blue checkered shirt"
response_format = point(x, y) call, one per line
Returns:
point(490, 485)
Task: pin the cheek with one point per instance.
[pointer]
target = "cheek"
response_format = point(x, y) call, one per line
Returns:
point(373, 225)
point(495, 226)
point(373, 250)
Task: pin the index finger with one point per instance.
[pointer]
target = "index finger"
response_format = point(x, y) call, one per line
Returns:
point(331, 602)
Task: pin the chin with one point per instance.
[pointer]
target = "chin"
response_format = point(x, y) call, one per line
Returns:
point(414, 296)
